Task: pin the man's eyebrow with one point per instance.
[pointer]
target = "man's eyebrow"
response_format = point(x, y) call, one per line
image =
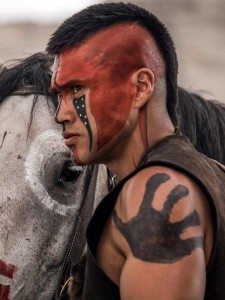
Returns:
point(65, 85)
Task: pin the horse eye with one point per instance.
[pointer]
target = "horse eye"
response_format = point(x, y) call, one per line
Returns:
point(69, 172)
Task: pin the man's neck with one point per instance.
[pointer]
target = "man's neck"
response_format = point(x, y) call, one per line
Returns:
point(129, 158)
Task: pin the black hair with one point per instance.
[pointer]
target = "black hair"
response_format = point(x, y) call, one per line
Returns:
point(89, 21)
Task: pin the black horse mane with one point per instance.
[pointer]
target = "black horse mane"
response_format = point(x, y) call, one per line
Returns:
point(30, 75)
point(2, 68)
point(203, 122)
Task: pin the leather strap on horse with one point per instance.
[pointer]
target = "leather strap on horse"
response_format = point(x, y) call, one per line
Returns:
point(78, 238)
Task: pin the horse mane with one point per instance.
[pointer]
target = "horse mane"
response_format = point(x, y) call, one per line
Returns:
point(30, 75)
point(2, 68)
point(203, 122)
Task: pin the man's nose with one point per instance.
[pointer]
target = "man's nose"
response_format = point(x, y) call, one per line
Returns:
point(64, 113)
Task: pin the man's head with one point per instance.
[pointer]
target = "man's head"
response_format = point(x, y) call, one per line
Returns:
point(94, 18)
point(106, 48)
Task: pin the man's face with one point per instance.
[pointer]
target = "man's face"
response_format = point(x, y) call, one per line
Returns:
point(96, 96)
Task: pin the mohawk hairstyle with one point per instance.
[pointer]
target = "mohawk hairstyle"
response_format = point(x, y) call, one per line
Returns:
point(89, 21)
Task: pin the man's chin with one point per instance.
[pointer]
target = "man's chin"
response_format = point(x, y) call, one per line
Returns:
point(83, 160)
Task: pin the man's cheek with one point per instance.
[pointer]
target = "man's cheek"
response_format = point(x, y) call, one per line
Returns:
point(109, 122)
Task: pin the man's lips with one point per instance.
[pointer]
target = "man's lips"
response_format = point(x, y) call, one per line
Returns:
point(70, 138)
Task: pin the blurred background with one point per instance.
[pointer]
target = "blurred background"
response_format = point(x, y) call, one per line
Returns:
point(197, 27)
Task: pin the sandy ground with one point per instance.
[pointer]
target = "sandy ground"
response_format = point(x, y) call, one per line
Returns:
point(197, 26)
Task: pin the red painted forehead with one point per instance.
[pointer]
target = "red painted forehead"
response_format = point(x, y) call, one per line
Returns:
point(119, 50)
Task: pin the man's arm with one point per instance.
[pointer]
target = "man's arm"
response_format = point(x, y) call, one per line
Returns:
point(163, 219)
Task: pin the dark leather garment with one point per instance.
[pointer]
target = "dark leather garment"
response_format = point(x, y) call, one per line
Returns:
point(175, 152)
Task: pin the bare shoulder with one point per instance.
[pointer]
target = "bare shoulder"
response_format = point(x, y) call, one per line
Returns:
point(165, 212)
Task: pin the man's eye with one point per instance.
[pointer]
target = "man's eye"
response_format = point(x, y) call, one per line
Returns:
point(76, 89)
point(59, 97)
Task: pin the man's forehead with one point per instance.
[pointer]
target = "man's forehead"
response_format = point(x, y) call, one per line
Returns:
point(125, 42)
point(105, 39)
point(114, 36)
point(69, 67)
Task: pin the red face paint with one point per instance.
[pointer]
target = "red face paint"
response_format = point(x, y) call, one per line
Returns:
point(105, 70)
point(8, 271)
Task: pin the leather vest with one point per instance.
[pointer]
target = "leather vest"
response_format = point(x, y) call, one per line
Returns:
point(175, 152)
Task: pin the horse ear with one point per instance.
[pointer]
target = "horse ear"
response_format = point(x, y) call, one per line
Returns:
point(144, 80)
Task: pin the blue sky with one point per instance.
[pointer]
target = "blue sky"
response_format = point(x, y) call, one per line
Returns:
point(39, 10)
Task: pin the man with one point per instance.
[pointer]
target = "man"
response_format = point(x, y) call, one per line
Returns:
point(160, 233)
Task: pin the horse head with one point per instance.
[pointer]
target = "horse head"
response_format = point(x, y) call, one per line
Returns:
point(46, 199)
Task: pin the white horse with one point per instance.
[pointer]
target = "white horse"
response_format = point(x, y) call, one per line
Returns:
point(45, 199)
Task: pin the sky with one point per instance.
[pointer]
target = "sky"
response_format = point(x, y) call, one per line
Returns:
point(46, 11)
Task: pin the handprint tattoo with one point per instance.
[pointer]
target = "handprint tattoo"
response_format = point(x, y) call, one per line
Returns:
point(150, 234)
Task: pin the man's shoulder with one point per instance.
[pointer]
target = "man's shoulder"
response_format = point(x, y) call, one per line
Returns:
point(160, 188)
point(162, 201)
point(161, 177)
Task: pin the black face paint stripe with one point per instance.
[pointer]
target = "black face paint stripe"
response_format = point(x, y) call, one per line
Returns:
point(150, 234)
point(79, 104)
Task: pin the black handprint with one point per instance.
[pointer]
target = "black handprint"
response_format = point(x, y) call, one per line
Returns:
point(150, 234)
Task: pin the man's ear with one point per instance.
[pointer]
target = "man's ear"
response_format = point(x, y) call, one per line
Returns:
point(144, 80)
